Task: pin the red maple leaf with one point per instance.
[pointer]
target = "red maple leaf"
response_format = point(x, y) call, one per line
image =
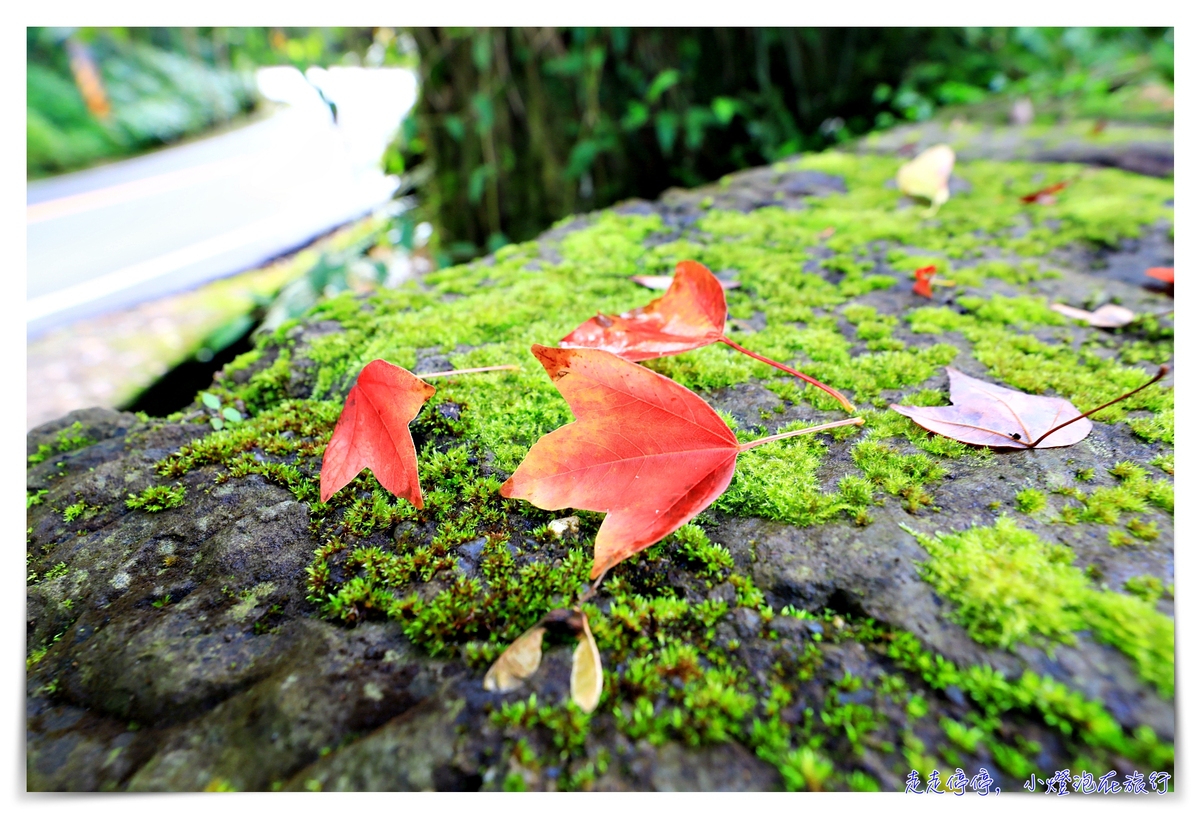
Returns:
point(372, 432)
point(924, 277)
point(645, 450)
point(689, 315)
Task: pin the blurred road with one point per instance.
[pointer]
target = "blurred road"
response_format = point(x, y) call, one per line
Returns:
point(116, 235)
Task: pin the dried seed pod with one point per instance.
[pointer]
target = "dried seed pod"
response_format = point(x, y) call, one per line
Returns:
point(518, 662)
point(587, 676)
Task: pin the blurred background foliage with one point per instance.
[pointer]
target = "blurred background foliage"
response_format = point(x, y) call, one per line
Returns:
point(516, 128)
point(96, 94)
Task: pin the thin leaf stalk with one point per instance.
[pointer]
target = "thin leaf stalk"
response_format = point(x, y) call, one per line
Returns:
point(745, 447)
point(847, 405)
point(1162, 373)
point(447, 373)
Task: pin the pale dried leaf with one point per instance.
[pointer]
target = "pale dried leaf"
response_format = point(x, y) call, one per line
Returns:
point(518, 662)
point(928, 175)
point(988, 415)
point(587, 677)
point(663, 282)
point(1110, 316)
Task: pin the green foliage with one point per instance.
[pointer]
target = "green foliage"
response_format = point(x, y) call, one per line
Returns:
point(67, 440)
point(517, 128)
point(1010, 586)
point(152, 95)
point(157, 498)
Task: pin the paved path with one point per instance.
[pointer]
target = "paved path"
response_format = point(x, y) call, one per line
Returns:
point(113, 236)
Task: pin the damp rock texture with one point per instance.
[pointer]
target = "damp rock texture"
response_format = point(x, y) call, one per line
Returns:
point(857, 607)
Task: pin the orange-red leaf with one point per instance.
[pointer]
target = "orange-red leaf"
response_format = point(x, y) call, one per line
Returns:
point(689, 315)
point(372, 432)
point(1164, 274)
point(645, 450)
point(988, 415)
point(924, 277)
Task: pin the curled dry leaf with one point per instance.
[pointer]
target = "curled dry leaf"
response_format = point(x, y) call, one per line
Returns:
point(988, 415)
point(587, 676)
point(928, 175)
point(689, 315)
point(664, 282)
point(372, 432)
point(1110, 316)
point(643, 449)
point(519, 661)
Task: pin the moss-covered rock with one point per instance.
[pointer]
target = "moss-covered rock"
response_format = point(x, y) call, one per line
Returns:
point(856, 606)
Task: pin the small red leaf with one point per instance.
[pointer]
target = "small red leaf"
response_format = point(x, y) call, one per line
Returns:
point(690, 315)
point(372, 432)
point(924, 277)
point(645, 450)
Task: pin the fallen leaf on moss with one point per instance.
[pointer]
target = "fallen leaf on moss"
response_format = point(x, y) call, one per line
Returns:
point(928, 176)
point(924, 277)
point(1110, 316)
point(644, 450)
point(519, 661)
point(988, 415)
point(689, 315)
point(522, 658)
point(664, 282)
point(372, 432)
point(587, 676)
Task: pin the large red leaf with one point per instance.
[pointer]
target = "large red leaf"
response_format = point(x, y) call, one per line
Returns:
point(988, 415)
point(689, 315)
point(372, 432)
point(645, 450)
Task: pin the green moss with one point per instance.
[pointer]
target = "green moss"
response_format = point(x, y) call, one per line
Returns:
point(901, 475)
point(469, 572)
point(67, 440)
point(1145, 586)
point(1030, 501)
point(1009, 586)
point(1166, 462)
point(157, 498)
point(80, 509)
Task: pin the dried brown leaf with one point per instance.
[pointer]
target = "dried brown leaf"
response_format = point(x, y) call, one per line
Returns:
point(518, 662)
point(587, 676)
